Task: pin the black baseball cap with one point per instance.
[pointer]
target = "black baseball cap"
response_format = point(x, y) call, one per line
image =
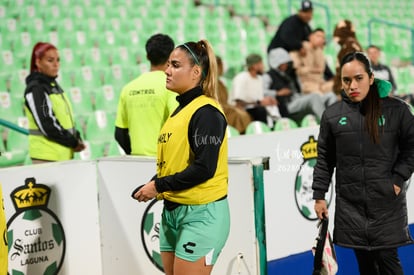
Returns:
point(306, 5)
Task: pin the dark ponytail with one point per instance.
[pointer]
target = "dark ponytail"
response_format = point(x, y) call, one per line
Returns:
point(371, 107)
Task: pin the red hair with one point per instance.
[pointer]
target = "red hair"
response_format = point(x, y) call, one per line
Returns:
point(38, 52)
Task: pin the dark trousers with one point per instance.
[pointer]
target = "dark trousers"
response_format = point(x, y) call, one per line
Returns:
point(379, 262)
point(258, 113)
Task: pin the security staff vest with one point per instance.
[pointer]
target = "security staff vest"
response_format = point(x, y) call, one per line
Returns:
point(175, 154)
point(43, 148)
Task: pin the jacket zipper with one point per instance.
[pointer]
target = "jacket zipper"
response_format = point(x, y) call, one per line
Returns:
point(362, 159)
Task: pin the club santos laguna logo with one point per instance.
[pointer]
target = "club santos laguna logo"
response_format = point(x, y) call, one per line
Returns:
point(35, 235)
point(304, 179)
point(150, 228)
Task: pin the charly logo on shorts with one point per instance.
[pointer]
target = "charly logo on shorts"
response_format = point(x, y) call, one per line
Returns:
point(35, 235)
point(150, 232)
point(304, 179)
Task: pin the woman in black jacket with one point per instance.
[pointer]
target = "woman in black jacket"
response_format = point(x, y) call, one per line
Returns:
point(369, 138)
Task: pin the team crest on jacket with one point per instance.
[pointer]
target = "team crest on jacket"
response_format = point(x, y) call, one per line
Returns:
point(35, 235)
point(304, 180)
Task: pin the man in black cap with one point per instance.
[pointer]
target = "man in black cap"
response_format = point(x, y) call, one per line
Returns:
point(294, 30)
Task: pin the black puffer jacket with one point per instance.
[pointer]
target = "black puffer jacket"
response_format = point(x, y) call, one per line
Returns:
point(368, 214)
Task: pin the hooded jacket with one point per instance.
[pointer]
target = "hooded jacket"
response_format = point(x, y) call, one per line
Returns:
point(368, 214)
point(276, 79)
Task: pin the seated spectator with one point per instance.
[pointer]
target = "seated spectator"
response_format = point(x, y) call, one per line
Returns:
point(380, 70)
point(278, 83)
point(236, 117)
point(310, 68)
point(248, 94)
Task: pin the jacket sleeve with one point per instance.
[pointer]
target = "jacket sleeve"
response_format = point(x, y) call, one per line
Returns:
point(122, 137)
point(207, 121)
point(404, 166)
point(326, 160)
point(40, 106)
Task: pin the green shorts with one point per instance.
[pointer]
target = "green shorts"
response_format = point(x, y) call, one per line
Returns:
point(195, 231)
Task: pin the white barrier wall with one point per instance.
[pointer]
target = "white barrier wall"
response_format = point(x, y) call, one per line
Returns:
point(79, 218)
point(129, 229)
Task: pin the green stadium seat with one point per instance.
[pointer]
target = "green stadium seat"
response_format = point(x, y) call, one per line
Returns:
point(4, 82)
point(54, 38)
point(285, 123)
point(13, 158)
point(309, 121)
point(69, 58)
point(119, 12)
point(109, 39)
point(16, 141)
point(12, 138)
point(93, 150)
point(28, 11)
point(106, 98)
point(89, 25)
point(257, 127)
point(66, 25)
point(232, 132)
point(54, 15)
point(17, 82)
point(76, 12)
point(88, 77)
point(116, 25)
point(35, 26)
point(100, 126)
point(78, 40)
point(122, 55)
point(8, 61)
point(81, 102)
point(114, 149)
point(95, 57)
point(3, 11)
point(98, 11)
point(11, 25)
point(10, 107)
point(116, 75)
